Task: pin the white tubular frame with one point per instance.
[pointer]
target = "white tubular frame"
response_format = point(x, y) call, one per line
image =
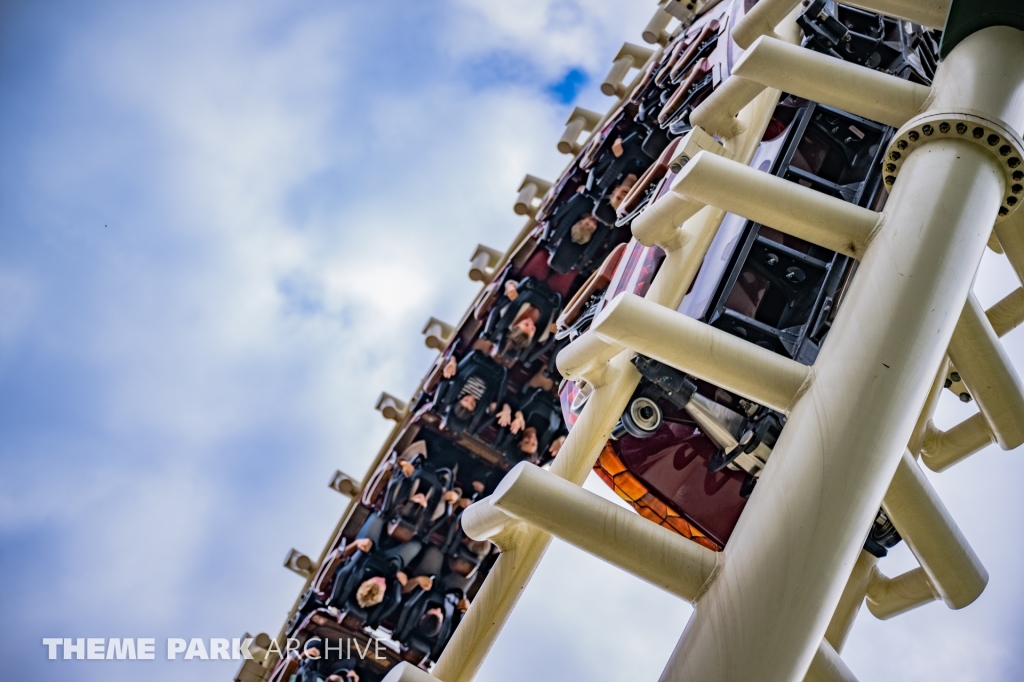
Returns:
point(778, 603)
point(817, 77)
point(847, 432)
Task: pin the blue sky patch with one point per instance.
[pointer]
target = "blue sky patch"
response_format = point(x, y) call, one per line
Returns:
point(565, 90)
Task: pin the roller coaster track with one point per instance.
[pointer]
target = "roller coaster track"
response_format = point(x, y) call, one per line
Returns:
point(818, 444)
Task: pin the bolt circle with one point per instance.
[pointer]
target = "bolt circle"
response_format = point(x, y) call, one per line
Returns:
point(1003, 142)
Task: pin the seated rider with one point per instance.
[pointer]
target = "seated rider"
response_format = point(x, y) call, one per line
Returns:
point(375, 575)
point(315, 666)
point(472, 390)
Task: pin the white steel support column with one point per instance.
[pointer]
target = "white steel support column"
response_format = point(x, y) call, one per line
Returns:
point(796, 544)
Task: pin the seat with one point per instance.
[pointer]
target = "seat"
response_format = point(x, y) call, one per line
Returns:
point(476, 375)
point(405, 518)
point(418, 645)
point(542, 412)
point(534, 300)
point(360, 567)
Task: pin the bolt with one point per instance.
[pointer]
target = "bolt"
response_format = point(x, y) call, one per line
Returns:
point(955, 376)
point(948, 383)
point(889, 179)
point(965, 397)
point(891, 167)
point(1018, 176)
point(927, 129)
point(1013, 162)
point(993, 140)
point(913, 135)
point(943, 127)
point(1003, 211)
point(902, 144)
point(978, 133)
point(1011, 201)
point(894, 155)
point(961, 128)
point(1005, 150)
point(1017, 189)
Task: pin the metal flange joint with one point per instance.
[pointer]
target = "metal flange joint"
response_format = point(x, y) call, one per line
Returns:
point(998, 138)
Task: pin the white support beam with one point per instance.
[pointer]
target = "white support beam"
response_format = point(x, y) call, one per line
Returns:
point(986, 370)
point(601, 528)
point(344, 484)
point(1010, 233)
point(770, 200)
point(656, 33)
point(790, 554)
point(483, 263)
point(437, 334)
point(531, 189)
point(763, 17)
point(1008, 313)
point(850, 601)
point(817, 77)
point(630, 56)
point(943, 449)
point(827, 666)
point(391, 407)
point(914, 507)
point(890, 597)
point(699, 349)
point(586, 357)
point(579, 121)
point(297, 562)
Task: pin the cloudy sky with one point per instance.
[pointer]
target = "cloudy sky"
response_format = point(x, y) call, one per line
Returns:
point(222, 226)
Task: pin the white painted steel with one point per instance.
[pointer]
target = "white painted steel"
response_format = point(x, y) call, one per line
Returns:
point(1010, 233)
point(922, 520)
point(761, 20)
point(794, 547)
point(817, 77)
point(770, 200)
point(890, 597)
point(943, 449)
point(987, 372)
point(696, 348)
point(653, 553)
point(1008, 313)
point(826, 666)
point(850, 601)
point(763, 17)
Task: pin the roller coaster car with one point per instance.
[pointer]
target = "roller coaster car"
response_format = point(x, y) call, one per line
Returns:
point(426, 625)
point(380, 604)
point(690, 70)
point(360, 653)
point(519, 320)
point(580, 311)
point(872, 40)
point(411, 499)
point(574, 235)
point(463, 401)
point(541, 425)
